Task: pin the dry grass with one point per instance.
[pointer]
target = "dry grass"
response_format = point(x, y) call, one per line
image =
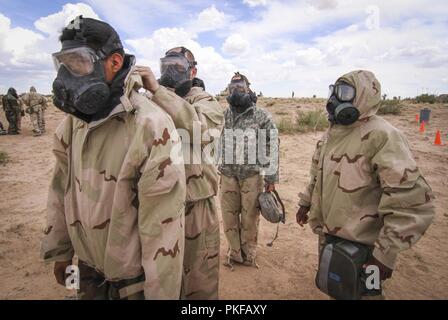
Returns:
point(305, 121)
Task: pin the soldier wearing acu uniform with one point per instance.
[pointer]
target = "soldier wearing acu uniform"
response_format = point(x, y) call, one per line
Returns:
point(117, 196)
point(365, 184)
point(243, 181)
point(195, 112)
point(36, 105)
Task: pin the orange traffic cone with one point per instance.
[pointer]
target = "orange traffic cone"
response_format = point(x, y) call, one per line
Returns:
point(422, 127)
point(438, 141)
point(416, 118)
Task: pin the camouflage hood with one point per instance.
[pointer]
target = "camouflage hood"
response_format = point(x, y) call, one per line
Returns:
point(13, 92)
point(368, 91)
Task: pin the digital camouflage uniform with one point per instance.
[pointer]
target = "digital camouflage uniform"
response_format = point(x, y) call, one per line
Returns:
point(242, 183)
point(200, 115)
point(36, 104)
point(117, 200)
point(365, 185)
point(12, 110)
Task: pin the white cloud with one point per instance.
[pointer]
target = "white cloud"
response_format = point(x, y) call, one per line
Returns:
point(209, 19)
point(255, 3)
point(235, 45)
point(54, 23)
point(324, 4)
point(309, 57)
point(26, 54)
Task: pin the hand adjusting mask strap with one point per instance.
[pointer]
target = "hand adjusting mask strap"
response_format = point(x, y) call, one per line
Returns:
point(340, 106)
point(175, 70)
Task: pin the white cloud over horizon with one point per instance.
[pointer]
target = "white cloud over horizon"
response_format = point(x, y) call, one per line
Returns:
point(284, 46)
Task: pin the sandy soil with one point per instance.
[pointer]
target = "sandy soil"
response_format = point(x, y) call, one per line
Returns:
point(286, 270)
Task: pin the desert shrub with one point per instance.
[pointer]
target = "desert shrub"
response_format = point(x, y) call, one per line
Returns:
point(286, 125)
point(270, 103)
point(426, 98)
point(3, 157)
point(315, 120)
point(305, 121)
point(390, 107)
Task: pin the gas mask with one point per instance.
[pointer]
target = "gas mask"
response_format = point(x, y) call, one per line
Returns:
point(340, 106)
point(80, 85)
point(175, 70)
point(240, 97)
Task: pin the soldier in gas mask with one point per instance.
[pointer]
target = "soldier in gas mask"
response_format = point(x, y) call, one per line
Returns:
point(36, 105)
point(195, 112)
point(12, 110)
point(365, 186)
point(243, 179)
point(117, 195)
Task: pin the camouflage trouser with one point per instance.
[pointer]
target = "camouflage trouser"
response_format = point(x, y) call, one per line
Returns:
point(382, 296)
point(93, 286)
point(2, 130)
point(37, 119)
point(11, 116)
point(201, 259)
point(19, 121)
point(241, 216)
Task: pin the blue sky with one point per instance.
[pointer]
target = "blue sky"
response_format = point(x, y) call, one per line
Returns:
point(282, 46)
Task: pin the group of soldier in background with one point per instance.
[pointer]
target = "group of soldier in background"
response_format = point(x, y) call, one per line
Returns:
point(15, 107)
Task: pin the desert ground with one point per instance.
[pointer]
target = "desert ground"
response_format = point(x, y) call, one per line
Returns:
point(286, 270)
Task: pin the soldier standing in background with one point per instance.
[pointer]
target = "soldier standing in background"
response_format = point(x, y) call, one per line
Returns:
point(242, 182)
point(36, 105)
point(183, 96)
point(12, 110)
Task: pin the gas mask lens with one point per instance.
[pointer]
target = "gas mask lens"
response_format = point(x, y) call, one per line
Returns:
point(79, 61)
point(343, 92)
point(176, 62)
point(238, 86)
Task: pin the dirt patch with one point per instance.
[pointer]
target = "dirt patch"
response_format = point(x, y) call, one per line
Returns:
point(286, 270)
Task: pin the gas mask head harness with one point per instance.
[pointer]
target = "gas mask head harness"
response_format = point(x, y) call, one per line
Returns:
point(175, 70)
point(240, 96)
point(80, 87)
point(340, 106)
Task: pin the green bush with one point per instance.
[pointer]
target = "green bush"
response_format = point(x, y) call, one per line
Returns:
point(305, 121)
point(426, 98)
point(390, 107)
point(315, 120)
point(3, 157)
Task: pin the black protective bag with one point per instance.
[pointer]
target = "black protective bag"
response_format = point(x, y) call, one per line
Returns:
point(341, 274)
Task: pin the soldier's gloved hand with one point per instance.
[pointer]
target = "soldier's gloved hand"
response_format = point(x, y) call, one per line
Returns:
point(269, 187)
point(59, 271)
point(385, 272)
point(150, 82)
point(302, 215)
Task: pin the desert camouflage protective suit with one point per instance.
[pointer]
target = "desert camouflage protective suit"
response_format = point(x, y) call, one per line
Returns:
point(117, 200)
point(365, 185)
point(200, 116)
point(37, 105)
point(242, 183)
point(11, 107)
